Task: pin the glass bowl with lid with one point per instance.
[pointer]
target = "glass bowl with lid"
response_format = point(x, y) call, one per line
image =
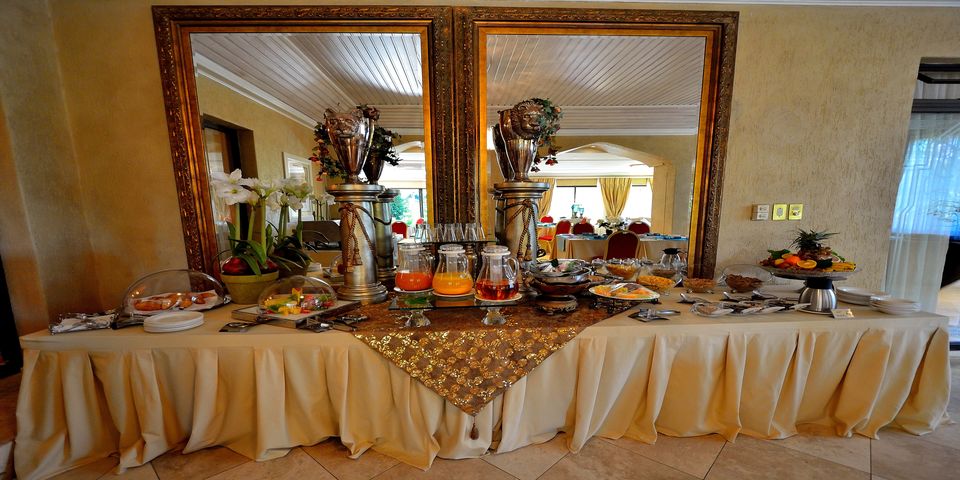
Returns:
point(171, 291)
point(296, 295)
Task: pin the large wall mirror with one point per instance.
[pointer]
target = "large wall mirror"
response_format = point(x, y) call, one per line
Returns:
point(245, 88)
point(645, 96)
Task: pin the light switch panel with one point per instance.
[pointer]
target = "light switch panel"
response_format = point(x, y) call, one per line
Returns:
point(796, 211)
point(779, 211)
point(760, 212)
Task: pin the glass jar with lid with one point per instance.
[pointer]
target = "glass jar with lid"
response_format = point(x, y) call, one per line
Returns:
point(498, 275)
point(414, 269)
point(452, 276)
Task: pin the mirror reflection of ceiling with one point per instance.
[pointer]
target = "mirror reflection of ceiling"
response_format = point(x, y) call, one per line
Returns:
point(302, 74)
point(610, 85)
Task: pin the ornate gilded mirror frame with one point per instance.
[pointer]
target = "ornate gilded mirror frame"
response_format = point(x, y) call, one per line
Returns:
point(173, 26)
point(718, 28)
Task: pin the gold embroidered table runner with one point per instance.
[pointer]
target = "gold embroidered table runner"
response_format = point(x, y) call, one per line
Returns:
point(464, 361)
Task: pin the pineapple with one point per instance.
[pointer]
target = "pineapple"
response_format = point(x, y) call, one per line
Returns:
point(810, 247)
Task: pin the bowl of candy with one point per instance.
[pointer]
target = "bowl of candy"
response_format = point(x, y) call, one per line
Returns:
point(655, 283)
point(625, 268)
point(699, 285)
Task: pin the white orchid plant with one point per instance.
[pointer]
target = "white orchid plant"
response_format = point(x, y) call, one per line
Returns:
point(261, 247)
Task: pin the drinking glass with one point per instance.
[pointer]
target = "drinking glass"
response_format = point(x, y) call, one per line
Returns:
point(472, 232)
point(451, 233)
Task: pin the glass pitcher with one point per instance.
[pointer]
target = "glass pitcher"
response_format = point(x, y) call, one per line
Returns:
point(671, 265)
point(498, 275)
point(453, 272)
point(414, 268)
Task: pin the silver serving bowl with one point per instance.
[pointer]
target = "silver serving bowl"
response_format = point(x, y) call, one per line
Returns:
point(579, 275)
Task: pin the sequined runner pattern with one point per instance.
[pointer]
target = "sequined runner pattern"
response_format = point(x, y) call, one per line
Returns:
point(464, 361)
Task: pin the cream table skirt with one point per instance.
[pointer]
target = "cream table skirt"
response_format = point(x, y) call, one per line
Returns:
point(87, 395)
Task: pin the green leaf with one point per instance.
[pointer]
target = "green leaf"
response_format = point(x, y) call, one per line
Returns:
point(251, 262)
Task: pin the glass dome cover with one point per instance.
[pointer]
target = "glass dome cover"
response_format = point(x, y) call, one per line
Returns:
point(173, 290)
point(296, 295)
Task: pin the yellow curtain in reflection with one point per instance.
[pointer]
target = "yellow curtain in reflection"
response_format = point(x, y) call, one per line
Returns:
point(615, 192)
point(544, 204)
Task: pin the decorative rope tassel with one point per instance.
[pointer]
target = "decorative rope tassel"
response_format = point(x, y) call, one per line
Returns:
point(474, 432)
point(350, 216)
point(527, 211)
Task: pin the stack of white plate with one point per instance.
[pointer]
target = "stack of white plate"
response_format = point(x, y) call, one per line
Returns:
point(894, 306)
point(857, 296)
point(172, 322)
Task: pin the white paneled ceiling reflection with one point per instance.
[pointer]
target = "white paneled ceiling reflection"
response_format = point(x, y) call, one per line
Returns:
point(612, 85)
point(302, 74)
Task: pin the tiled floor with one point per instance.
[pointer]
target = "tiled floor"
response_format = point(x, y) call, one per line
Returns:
point(815, 453)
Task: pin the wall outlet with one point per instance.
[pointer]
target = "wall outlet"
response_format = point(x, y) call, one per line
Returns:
point(760, 212)
point(779, 211)
point(796, 211)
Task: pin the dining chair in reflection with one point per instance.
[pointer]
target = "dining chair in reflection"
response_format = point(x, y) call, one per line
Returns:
point(582, 228)
point(639, 228)
point(622, 244)
point(563, 226)
point(399, 227)
point(546, 219)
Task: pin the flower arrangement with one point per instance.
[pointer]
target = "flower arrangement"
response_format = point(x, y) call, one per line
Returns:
point(380, 147)
point(549, 124)
point(257, 247)
point(288, 250)
point(612, 224)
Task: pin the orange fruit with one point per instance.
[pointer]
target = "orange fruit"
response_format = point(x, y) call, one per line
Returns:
point(792, 260)
point(778, 262)
point(807, 264)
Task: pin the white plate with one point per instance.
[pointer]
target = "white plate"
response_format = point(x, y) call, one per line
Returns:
point(508, 300)
point(173, 319)
point(857, 292)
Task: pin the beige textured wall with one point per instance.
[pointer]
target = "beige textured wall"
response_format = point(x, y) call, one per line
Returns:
point(273, 134)
point(820, 108)
point(821, 101)
point(44, 241)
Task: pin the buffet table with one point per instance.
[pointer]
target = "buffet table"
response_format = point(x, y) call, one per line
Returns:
point(589, 247)
point(89, 394)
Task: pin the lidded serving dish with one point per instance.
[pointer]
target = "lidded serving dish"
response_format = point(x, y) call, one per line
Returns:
point(296, 295)
point(171, 291)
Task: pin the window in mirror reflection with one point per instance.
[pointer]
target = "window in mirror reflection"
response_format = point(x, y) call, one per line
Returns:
point(275, 86)
point(631, 107)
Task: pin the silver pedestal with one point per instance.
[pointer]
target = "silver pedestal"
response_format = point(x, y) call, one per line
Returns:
point(358, 242)
point(386, 269)
point(517, 216)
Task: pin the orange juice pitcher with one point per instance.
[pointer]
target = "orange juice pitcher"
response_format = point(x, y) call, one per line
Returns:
point(453, 274)
point(415, 269)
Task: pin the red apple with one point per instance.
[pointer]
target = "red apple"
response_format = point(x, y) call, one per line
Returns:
point(236, 266)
